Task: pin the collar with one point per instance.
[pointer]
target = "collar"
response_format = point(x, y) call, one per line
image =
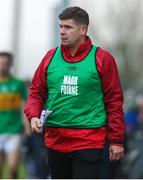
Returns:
point(81, 52)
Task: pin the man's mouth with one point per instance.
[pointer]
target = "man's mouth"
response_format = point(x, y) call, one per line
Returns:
point(64, 39)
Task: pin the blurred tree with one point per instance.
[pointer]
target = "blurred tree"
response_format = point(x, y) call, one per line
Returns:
point(121, 33)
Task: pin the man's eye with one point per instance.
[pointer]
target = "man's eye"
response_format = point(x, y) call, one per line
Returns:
point(68, 27)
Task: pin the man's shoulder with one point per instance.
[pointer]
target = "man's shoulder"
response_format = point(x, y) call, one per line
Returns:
point(51, 52)
point(103, 52)
point(48, 56)
point(103, 57)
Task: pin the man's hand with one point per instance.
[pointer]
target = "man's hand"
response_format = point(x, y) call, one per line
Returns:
point(116, 152)
point(36, 125)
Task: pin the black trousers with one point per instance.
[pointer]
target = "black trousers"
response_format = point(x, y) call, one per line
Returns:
point(82, 164)
point(109, 169)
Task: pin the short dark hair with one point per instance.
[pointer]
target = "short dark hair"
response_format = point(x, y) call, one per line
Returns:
point(80, 16)
point(7, 54)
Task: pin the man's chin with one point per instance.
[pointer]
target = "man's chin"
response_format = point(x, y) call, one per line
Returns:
point(65, 44)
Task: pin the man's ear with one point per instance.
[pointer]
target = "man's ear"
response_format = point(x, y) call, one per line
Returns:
point(84, 29)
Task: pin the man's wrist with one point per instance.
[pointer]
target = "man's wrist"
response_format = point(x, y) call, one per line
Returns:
point(114, 144)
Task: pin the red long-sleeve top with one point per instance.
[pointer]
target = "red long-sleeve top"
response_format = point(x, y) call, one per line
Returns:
point(68, 139)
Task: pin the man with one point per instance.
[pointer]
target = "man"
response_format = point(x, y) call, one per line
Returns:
point(12, 93)
point(78, 84)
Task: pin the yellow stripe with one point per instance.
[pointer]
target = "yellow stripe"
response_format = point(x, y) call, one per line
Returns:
point(9, 101)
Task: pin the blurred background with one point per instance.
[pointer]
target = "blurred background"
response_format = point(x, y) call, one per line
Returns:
point(29, 28)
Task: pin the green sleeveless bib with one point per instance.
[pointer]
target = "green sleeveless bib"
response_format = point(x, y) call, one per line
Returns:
point(75, 94)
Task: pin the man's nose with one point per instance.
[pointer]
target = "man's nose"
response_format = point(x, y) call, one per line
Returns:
point(62, 31)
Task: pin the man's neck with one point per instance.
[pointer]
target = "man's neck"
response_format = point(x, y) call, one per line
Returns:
point(74, 49)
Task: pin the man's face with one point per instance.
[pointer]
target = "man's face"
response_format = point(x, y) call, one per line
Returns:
point(5, 65)
point(71, 33)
